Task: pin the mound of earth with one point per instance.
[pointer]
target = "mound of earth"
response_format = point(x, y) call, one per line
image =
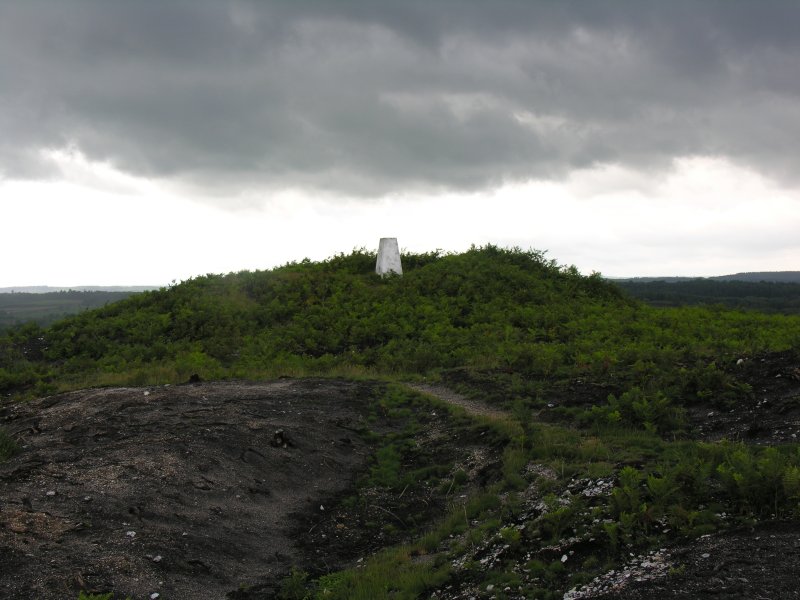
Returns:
point(184, 491)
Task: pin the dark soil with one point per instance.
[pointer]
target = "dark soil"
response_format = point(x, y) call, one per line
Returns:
point(185, 491)
point(215, 490)
point(757, 564)
point(770, 414)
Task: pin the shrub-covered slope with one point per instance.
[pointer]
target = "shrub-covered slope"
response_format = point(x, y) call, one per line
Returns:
point(511, 311)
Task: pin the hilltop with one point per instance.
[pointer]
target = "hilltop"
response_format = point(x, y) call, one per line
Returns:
point(447, 311)
point(488, 308)
point(772, 276)
point(613, 430)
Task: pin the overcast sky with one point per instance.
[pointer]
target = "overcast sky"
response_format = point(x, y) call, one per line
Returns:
point(150, 141)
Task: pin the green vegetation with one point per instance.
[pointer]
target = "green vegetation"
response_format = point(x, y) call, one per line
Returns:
point(391, 573)
point(510, 311)
point(615, 378)
point(684, 489)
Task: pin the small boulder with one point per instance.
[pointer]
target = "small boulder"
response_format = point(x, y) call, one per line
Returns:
point(280, 440)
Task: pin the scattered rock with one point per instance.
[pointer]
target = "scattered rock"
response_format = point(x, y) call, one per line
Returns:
point(280, 440)
point(641, 568)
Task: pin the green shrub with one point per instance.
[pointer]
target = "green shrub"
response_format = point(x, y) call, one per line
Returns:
point(653, 411)
point(511, 536)
point(295, 586)
point(387, 470)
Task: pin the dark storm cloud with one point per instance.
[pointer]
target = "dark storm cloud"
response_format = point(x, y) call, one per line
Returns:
point(373, 97)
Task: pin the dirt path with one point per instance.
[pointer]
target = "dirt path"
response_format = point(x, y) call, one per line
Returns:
point(473, 407)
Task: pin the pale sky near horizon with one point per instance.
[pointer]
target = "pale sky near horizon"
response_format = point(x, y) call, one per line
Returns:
point(147, 142)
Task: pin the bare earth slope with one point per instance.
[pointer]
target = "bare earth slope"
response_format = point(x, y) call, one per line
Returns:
point(181, 491)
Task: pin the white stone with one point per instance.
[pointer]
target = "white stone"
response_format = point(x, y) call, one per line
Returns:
point(388, 258)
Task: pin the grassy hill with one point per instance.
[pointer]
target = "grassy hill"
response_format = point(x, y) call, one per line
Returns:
point(524, 318)
point(605, 392)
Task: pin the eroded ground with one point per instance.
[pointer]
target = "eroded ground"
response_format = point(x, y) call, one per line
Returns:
point(183, 491)
point(770, 414)
point(215, 490)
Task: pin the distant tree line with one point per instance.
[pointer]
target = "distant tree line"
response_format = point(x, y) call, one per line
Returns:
point(43, 309)
point(765, 296)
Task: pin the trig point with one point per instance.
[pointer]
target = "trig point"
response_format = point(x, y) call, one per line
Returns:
point(388, 258)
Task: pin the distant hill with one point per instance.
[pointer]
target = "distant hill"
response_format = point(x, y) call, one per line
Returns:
point(773, 276)
point(46, 289)
point(44, 308)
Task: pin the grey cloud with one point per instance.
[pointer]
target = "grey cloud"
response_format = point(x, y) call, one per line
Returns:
point(368, 98)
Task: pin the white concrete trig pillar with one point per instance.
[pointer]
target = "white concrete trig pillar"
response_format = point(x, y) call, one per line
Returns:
point(388, 258)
